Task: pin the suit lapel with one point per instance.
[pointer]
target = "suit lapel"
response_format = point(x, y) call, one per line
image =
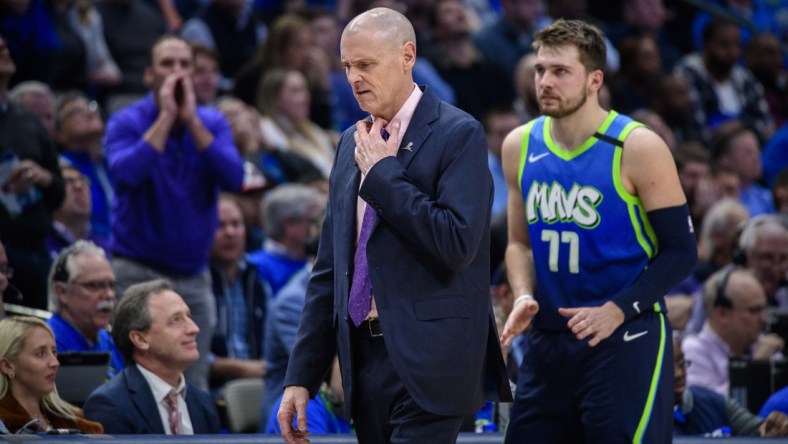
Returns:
point(199, 421)
point(420, 128)
point(142, 397)
point(347, 199)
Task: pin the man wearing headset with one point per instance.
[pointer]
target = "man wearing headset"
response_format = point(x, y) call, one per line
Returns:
point(82, 299)
point(735, 306)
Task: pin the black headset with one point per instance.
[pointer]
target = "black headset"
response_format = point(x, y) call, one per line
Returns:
point(61, 273)
point(739, 255)
point(721, 298)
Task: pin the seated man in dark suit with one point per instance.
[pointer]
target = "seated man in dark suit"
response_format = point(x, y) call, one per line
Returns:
point(154, 331)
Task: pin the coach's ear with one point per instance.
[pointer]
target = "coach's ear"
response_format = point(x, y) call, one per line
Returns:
point(408, 53)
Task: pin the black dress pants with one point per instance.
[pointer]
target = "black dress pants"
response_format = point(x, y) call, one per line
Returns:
point(383, 410)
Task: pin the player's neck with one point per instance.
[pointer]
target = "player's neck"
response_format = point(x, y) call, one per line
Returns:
point(569, 132)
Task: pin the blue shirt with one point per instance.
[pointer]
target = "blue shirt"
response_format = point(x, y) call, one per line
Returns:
point(165, 214)
point(68, 338)
point(777, 402)
point(757, 199)
point(101, 193)
point(281, 328)
point(320, 417)
point(774, 156)
point(30, 36)
point(500, 192)
point(762, 17)
point(275, 267)
point(232, 318)
point(703, 412)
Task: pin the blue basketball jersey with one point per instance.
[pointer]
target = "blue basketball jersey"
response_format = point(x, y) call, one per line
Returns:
point(590, 237)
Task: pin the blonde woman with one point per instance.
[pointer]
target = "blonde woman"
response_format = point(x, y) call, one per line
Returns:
point(28, 366)
point(283, 101)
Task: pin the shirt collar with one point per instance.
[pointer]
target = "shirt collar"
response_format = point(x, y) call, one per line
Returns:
point(272, 246)
point(405, 113)
point(159, 387)
point(685, 407)
point(710, 335)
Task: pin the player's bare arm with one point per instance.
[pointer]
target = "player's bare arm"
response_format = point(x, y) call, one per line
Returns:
point(649, 171)
point(519, 258)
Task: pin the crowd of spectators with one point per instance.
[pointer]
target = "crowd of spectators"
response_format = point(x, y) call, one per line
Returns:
point(122, 121)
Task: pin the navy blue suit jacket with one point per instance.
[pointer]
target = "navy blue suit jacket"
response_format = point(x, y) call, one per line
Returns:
point(125, 405)
point(429, 261)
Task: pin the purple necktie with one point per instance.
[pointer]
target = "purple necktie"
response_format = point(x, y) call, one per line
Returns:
point(360, 300)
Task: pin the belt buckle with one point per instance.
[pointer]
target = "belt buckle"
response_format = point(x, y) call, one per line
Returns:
point(374, 332)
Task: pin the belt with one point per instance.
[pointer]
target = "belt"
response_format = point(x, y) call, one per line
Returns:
point(371, 326)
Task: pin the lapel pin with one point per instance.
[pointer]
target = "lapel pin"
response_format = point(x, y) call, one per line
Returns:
point(408, 147)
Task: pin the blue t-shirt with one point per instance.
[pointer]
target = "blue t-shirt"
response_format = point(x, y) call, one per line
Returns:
point(320, 418)
point(774, 156)
point(275, 268)
point(102, 194)
point(68, 338)
point(708, 415)
point(777, 402)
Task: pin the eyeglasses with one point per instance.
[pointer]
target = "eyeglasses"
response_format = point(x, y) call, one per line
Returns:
point(756, 310)
point(7, 271)
point(769, 258)
point(95, 286)
point(71, 181)
point(92, 107)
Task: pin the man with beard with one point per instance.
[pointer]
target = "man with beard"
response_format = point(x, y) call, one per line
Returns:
point(82, 297)
point(599, 232)
point(169, 158)
point(723, 90)
point(671, 98)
